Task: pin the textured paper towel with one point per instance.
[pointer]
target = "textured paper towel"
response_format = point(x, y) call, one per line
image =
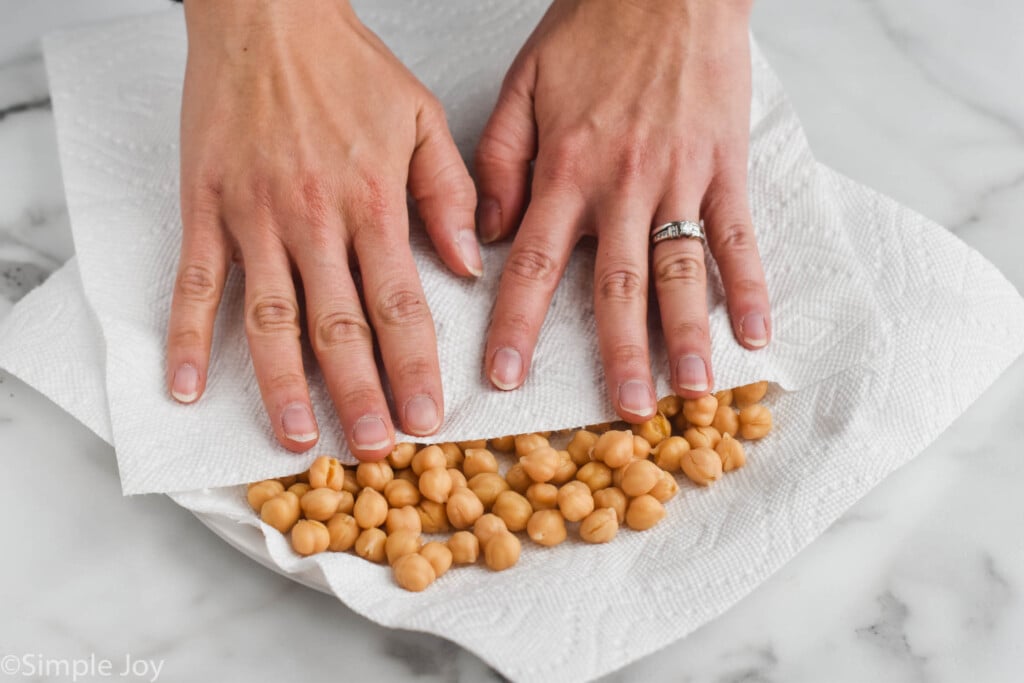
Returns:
point(876, 308)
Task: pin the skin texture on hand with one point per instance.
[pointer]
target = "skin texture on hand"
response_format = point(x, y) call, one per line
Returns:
point(300, 135)
point(633, 114)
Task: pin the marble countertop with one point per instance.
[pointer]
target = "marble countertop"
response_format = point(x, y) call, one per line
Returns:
point(923, 580)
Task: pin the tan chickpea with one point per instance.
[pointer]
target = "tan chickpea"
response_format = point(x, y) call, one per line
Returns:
point(518, 479)
point(670, 406)
point(502, 551)
point(475, 443)
point(726, 421)
point(310, 537)
point(732, 454)
point(326, 472)
point(644, 512)
point(369, 545)
point(614, 499)
point(282, 511)
point(542, 496)
point(290, 479)
point(435, 484)
point(413, 572)
point(546, 527)
point(755, 421)
point(300, 489)
point(566, 469)
point(575, 501)
point(487, 526)
point(465, 547)
point(488, 486)
point(374, 475)
point(600, 526)
point(478, 461)
point(402, 542)
point(321, 504)
point(654, 430)
point(427, 458)
point(617, 474)
point(401, 492)
point(401, 456)
point(459, 480)
point(595, 475)
point(640, 477)
point(504, 444)
point(580, 445)
point(641, 448)
point(408, 475)
point(702, 466)
point(514, 509)
point(699, 412)
point(540, 463)
point(749, 394)
point(346, 502)
point(342, 532)
point(526, 443)
point(262, 491)
point(724, 397)
point(350, 483)
point(439, 557)
point(405, 518)
point(702, 437)
point(666, 488)
point(370, 509)
point(669, 452)
point(433, 517)
point(463, 508)
point(614, 448)
point(452, 454)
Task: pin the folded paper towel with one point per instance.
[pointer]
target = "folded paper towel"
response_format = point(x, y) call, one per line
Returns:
point(864, 329)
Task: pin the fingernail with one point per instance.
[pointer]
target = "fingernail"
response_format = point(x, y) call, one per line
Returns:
point(506, 369)
point(421, 416)
point(470, 250)
point(370, 433)
point(298, 423)
point(692, 373)
point(186, 384)
point(636, 397)
point(754, 330)
point(489, 219)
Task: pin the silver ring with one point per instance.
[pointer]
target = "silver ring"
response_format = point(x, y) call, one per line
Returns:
point(676, 230)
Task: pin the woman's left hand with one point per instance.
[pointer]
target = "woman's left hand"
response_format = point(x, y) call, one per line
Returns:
point(635, 114)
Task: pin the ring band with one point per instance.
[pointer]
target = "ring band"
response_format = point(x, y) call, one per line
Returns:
point(676, 230)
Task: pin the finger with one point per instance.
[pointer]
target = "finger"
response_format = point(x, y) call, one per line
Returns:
point(731, 239)
point(343, 344)
point(507, 146)
point(680, 281)
point(620, 307)
point(272, 327)
point(202, 269)
point(444, 193)
point(398, 311)
point(531, 274)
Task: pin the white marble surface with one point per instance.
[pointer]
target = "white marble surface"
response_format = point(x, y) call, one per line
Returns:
point(923, 580)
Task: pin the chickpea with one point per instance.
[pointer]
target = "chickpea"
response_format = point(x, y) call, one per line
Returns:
point(262, 491)
point(640, 477)
point(699, 412)
point(514, 509)
point(374, 475)
point(343, 532)
point(644, 512)
point(542, 496)
point(370, 509)
point(402, 542)
point(435, 484)
point(575, 501)
point(475, 443)
point(580, 445)
point(504, 444)
point(487, 527)
point(666, 488)
point(290, 479)
point(617, 476)
point(401, 456)
point(428, 458)
point(458, 478)
point(350, 483)
point(566, 469)
point(408, 475)
point(726, 421)
point(670, 406)
point(595, 475)
point(301, 477)
point(732, 454)
point(702, 466)
point(413, 572)
point(465, 547)
point(463, 508)
point(540, 463)
point(755, 421)
point(488, 486)
point(614, 499)
point(346, 501)
point(401, 492)
point(749, 394)
point(702, 437)
point(724, 397)
point(405, 518)
point(654, 430)
point(546, 527)
point(326, 472)
point(502, 551)
point(369, 545)
point(309, 537)
point(668, 453)
point(453, 455)
point(525, 443)
point(282, 511)
point(600, 526)
point(641, 448)
point(614, 448)
point(320, 504)
point(518, 479)
point(439, 557)
point(478, 461)
point(300, 489)
point(433, 517)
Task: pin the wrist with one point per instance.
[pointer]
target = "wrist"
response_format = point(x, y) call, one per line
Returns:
point(229, 21)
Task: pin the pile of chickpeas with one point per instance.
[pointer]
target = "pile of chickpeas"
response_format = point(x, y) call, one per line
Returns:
point(603, 478)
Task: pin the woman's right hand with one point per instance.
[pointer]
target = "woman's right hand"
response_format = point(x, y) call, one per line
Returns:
point(300, 133)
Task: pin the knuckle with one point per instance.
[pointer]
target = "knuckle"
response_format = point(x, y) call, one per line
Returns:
point(403, 307)
point(373, 190)
point(197, 283)
point(415, 370)
point(631, 160)
point(620, 285)
point(359, 397)
point(532, 264)
point(259, 192)
point(340, 328)
point(746, 287)
point(562, 160)
point(733, 237)
point(688, 331)
point(185, 337)
point(514, 324)
point(628, 355)
point(284, 383)
point(273, 314)
point(682, 268)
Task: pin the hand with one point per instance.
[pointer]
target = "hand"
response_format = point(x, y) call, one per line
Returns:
point(300, 132)
point(636, 114)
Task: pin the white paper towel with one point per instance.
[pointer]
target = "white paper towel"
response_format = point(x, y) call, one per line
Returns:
point(886, 329)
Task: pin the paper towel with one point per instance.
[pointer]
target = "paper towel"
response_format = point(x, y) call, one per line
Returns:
point(887, 328)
